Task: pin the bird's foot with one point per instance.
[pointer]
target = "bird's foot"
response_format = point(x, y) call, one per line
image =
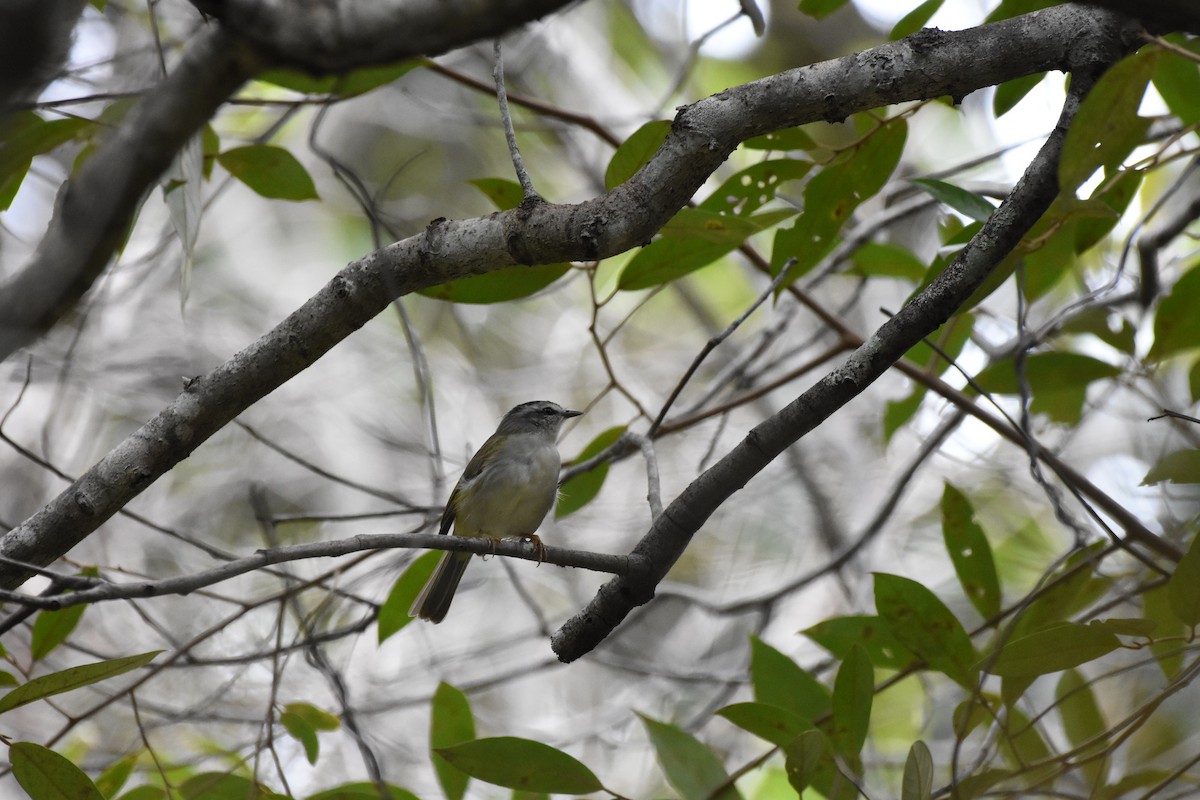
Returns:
point(538, 547)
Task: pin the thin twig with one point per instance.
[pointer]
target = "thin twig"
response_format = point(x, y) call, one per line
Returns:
point(510, 135)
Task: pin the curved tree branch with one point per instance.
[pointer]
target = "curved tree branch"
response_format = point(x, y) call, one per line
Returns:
point(927, 64)
point(674, 528)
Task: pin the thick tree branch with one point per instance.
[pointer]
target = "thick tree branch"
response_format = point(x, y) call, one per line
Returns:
point(928, 64)
point(672, 531)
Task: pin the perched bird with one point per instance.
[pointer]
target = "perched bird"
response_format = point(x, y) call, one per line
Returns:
point(506, 490)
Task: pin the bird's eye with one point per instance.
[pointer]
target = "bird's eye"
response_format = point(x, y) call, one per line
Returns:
point(547, 410)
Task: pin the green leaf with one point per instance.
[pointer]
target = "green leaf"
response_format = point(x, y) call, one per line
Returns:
point(451, 722)
point(352, 83)
point(522, 764)
point(967, 203)
point(1177, 80)
point(772, 723)
point(115, 776)
point(500, 286)
point(1072, 587)
point(393, 614)
point(362, 790)
point(753, 187)
point(24, 135)
point(635, 151)
point(148, 792)
point(1052, 649)
point(1126, 626)
point(1009, 93)
point(917, 783)
point(970, 552)
point(1059, 382)
point(318, 718)
point(805, 756)
point(1183, 590)
point(820, 9)
point(1176, 325)
point(876, 259)
point(832, 195)
point(301, 731)
point(779, 681)
point(581, 489)
point(73, 678)
point(1156, 605)
point(853, 692)
point(51, 628)
point(782, 140)
point(222, 786)
point(922, 623)
point(914, 20)
point(1182, 466)
point(1107, 127)
point(45, 775)
point(690, 767)
point(1082, 721)
point(503, 193)
point(839, 634)
point(897, 412)
point(271, 171)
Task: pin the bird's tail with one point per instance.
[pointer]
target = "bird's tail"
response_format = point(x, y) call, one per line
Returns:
point(434, 600)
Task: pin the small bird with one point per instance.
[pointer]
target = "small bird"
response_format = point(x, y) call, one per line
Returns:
point(506, 490)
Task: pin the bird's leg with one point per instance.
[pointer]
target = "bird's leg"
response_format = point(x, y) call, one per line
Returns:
point(538, 547)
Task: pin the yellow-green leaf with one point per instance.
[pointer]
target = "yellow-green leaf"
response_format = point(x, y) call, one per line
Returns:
point(72, 678)
point(772, 723)
point(393, 614)
point(46, 775)
point(917, 783)
point(922, 623)
point(779, 681)
point(1183, 590)
point(690, 766)
point(451, 722)
point(970, 552)
point(1052, 649)
point(853, 692)
point(635, 151)
point(270, 171)
point(522, 764)
point(581, 489)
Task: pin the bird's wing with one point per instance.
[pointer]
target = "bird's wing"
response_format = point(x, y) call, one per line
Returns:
point(475, 466)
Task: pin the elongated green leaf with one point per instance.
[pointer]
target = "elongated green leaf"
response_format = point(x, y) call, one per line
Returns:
point(1156, 605)
point(46, 775)
point(1183, 590)
point(583, 488)
point(914, 20)
point(820, 9)
point(833, 194)
point(964, 202)
point(353, 83)
point(1107, 127)
point(1182, 466)
point(223, 786)
point(501, 286)
point(271, 171)
point(782, 140)
point(690, 766)
point(888, 261)
point(73, 678)
point(635, 151)
point(1059, 647)
point(115, 776)
point(304, 733)
point(806, 756)
point(970, 552)
point(451, 722)
point(853, 692)
point(1082, 720)
point(922, 623)
point(522, 764)
point(779, 681)
point(393, 614)
point(1176, 326)
point(1009, 93)
point(51, 628)
point(777, 725)
point(1059, 382)
point(503, 193)
point(751, 188)
point(319, 719)
point(1125, 626)
point(1177, 79)
point(362, 790)
point(839, 634)
point(24, 135)
point(917, 783)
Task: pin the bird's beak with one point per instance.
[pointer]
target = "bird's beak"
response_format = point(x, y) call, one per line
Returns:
point(568, 413)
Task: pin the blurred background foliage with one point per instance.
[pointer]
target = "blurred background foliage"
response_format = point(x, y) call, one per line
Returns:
point(892, 547)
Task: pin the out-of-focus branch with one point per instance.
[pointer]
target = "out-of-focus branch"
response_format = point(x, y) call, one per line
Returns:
point(1160, 16)
point(928, 64)
point(672, 531)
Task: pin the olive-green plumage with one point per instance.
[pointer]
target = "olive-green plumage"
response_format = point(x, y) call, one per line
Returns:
point(505, 491)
